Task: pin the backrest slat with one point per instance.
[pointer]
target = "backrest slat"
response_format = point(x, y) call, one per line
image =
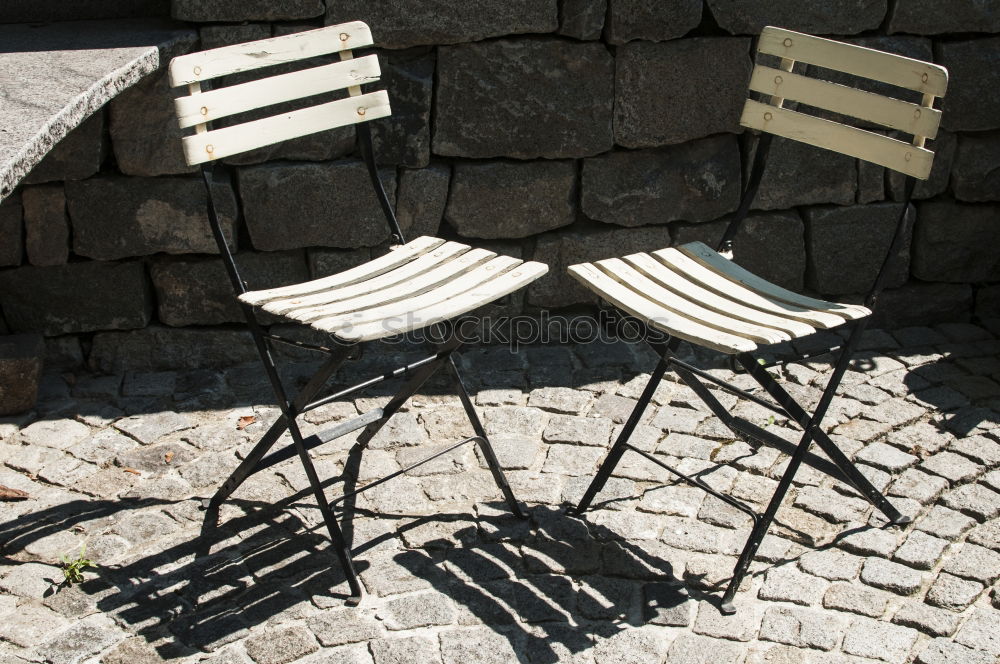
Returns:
point(921, 120)
point(319, 77)
point(226, 60)
point(225, 142)
point(857, 60)
point(886, 111)
point(876, 148)
point(223, 102)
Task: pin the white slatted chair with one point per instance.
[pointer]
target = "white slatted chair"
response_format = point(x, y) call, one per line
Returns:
point(699, 295)
point(417, 284)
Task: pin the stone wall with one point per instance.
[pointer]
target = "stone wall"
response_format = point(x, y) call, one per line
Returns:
point(559, 130)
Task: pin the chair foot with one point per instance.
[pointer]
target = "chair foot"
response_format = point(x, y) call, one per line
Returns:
point(727, 608)
point(902, 520)
point(353, 600)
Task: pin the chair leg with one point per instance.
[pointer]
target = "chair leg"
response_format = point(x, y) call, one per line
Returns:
point(763, 523)
point(484, 443)
point(333, 528)
point(621, 443)
point(249, 465)
point(289, 412)
point(812, 423)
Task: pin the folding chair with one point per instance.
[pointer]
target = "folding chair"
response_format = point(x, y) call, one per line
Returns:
point(699, 295)
point(415, 285)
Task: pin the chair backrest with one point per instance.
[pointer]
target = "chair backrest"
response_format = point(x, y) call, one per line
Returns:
point(920, 120)
point(199, 108)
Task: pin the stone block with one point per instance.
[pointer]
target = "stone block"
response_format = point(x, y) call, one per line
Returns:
point(846, 247)
point(197, 291)
point(77, 156)
point(944, 148)
point(974, 175)
point(659, 102)
point(651, 20)
point(953, 242)
point(582, 19)
point(760, 238)
point(158, 348)
point(404, 138)
point(421, 199)
point(988, 302)
point(214, 36)
point(923, 304)
point(928, 17)
point(118, 217)
point(695, 181)
point(324, 262)
point(973, 99)
point(11, 233)
point(206, 11)
point(560, 250)
point(144, 132)
point(748, 17)
point(288, 206)
point(76, 297)
point(21, 357)
point(511, 199)
point(46, 225)
point(403, 23)
point(33, 11)
point(799, 174)
point(524, 99)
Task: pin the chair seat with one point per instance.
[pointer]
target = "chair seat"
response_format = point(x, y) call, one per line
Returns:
point(698, 295)
point(415, 285)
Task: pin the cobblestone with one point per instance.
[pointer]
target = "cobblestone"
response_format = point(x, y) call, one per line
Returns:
point(920, 550)
point(953, 593)
point(886, 457)
point(943, 651)
point(927, 619)
point(787, 584)
point(891, 576)
point(879, 640)
point(975, 500)
point(919, 486)
point(944, 522)
point(453, 577)
point(980, 631)
point(805, 628)
point(856, 599)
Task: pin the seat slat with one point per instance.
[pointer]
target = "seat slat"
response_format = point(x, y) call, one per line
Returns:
point(214, 104)
point(852, 59)
point(441, 292)
point(657, 316)
point(403, 273)
point(704, 255)
point(225, 142)
point(225, 60)
point(506, 283)
point(895, 113)
point(624, 274)
point(685, 288)
point(373, 268)
point(876, 148)
point(723, 286)
point(453, 268)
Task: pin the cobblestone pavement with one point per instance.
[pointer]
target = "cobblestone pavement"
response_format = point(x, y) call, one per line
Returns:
point(118, 463)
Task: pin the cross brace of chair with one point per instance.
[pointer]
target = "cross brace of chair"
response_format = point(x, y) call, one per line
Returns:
point(838, 465)
point(372, 421)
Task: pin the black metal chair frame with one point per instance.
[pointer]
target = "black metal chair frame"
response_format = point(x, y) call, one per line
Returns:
point(417, 373)
point(838, 466)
